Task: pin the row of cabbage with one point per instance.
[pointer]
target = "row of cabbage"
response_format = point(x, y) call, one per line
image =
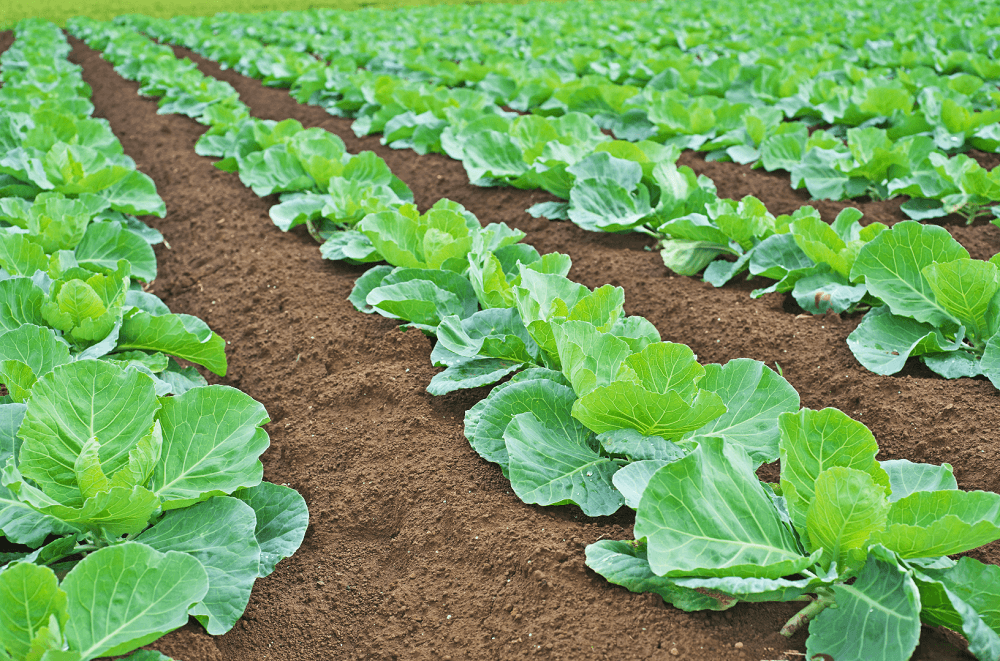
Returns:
point(894, 109)
point(595, 410)
point(949, 316)
point(630, 43)
point(131, 494)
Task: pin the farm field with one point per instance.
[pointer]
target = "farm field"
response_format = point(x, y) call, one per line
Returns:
point(58, 11)
point(417, 548)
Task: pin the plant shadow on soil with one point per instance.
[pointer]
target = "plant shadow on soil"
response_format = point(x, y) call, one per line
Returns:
point(417, 549)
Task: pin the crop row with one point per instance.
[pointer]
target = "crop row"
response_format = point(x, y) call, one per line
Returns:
point(598, 412)
point(131, 493)
point(936, 303)
point(875, 117)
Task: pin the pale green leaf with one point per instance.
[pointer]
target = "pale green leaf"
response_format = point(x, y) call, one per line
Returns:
point(89, 475)
point(814, 441)
point(178, 335)
point(667, 367)
point(282, 519)
point(708, 515)
point(637, 447)
point(964, 288)
point(107, 242)
point(548, 467)
point(29, 596)
point(73, 404)
point(877, 617)
point(20, 303)
point(753, 590)
point(219, 533)
point(625, 564)
point(622, 405)
point(118, 511)
point(975, 583)
point(906, 477)
point(19, 255)
point(883, 341)
point(549, 401)
point(820, 292)
point(847, 507)
point(940, 605)
point(589, 357)
point(365, 284)
point(36, 346)
point(687, 257)
point(754, 396)
point(631, 480)
point(125, 596)
point(18, 379)
point(927, 524)
point(212, 439)
point(820, 243)
point(471, 373)
point(141, 460)
point(892, 265)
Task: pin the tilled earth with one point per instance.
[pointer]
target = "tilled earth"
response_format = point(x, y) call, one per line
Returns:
point(417, 548)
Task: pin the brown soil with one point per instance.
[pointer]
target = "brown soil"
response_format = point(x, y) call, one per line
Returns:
point(417, 548)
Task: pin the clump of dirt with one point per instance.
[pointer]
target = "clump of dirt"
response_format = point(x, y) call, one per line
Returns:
point(418, 549)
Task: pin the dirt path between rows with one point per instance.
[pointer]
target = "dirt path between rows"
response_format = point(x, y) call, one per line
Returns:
point(417, 548)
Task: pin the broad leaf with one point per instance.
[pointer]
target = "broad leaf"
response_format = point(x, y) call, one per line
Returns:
point(928, 524)
point(471, 373)
point(625, 564)
point(219, 533)
point(883, 341)
point(686, 257)
point(906, 477)
point(628, 405)
point(20, 303)
point(105, 243)
point(975, 583)
point(941, 605)
point(754, 590)
point(589, 357)
point(820, 292)
point(423, 296)
point(73, 404)
point(212, 439)
point(708, 515)
point(491, 333)
point(877, 617)
point(125, 596)
point(964, 288)
point(848, 506)
point(29, 596)
point(549, 401)
point(36, 346)
point(637, 447)
point(371, 279)
point(754, 396)
point(179, 335)
point(892, 265)
point(631, 480)
point(814, 441)
point(115, 512)
point(282, 519)
point(550, 467)
point(19, 255)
